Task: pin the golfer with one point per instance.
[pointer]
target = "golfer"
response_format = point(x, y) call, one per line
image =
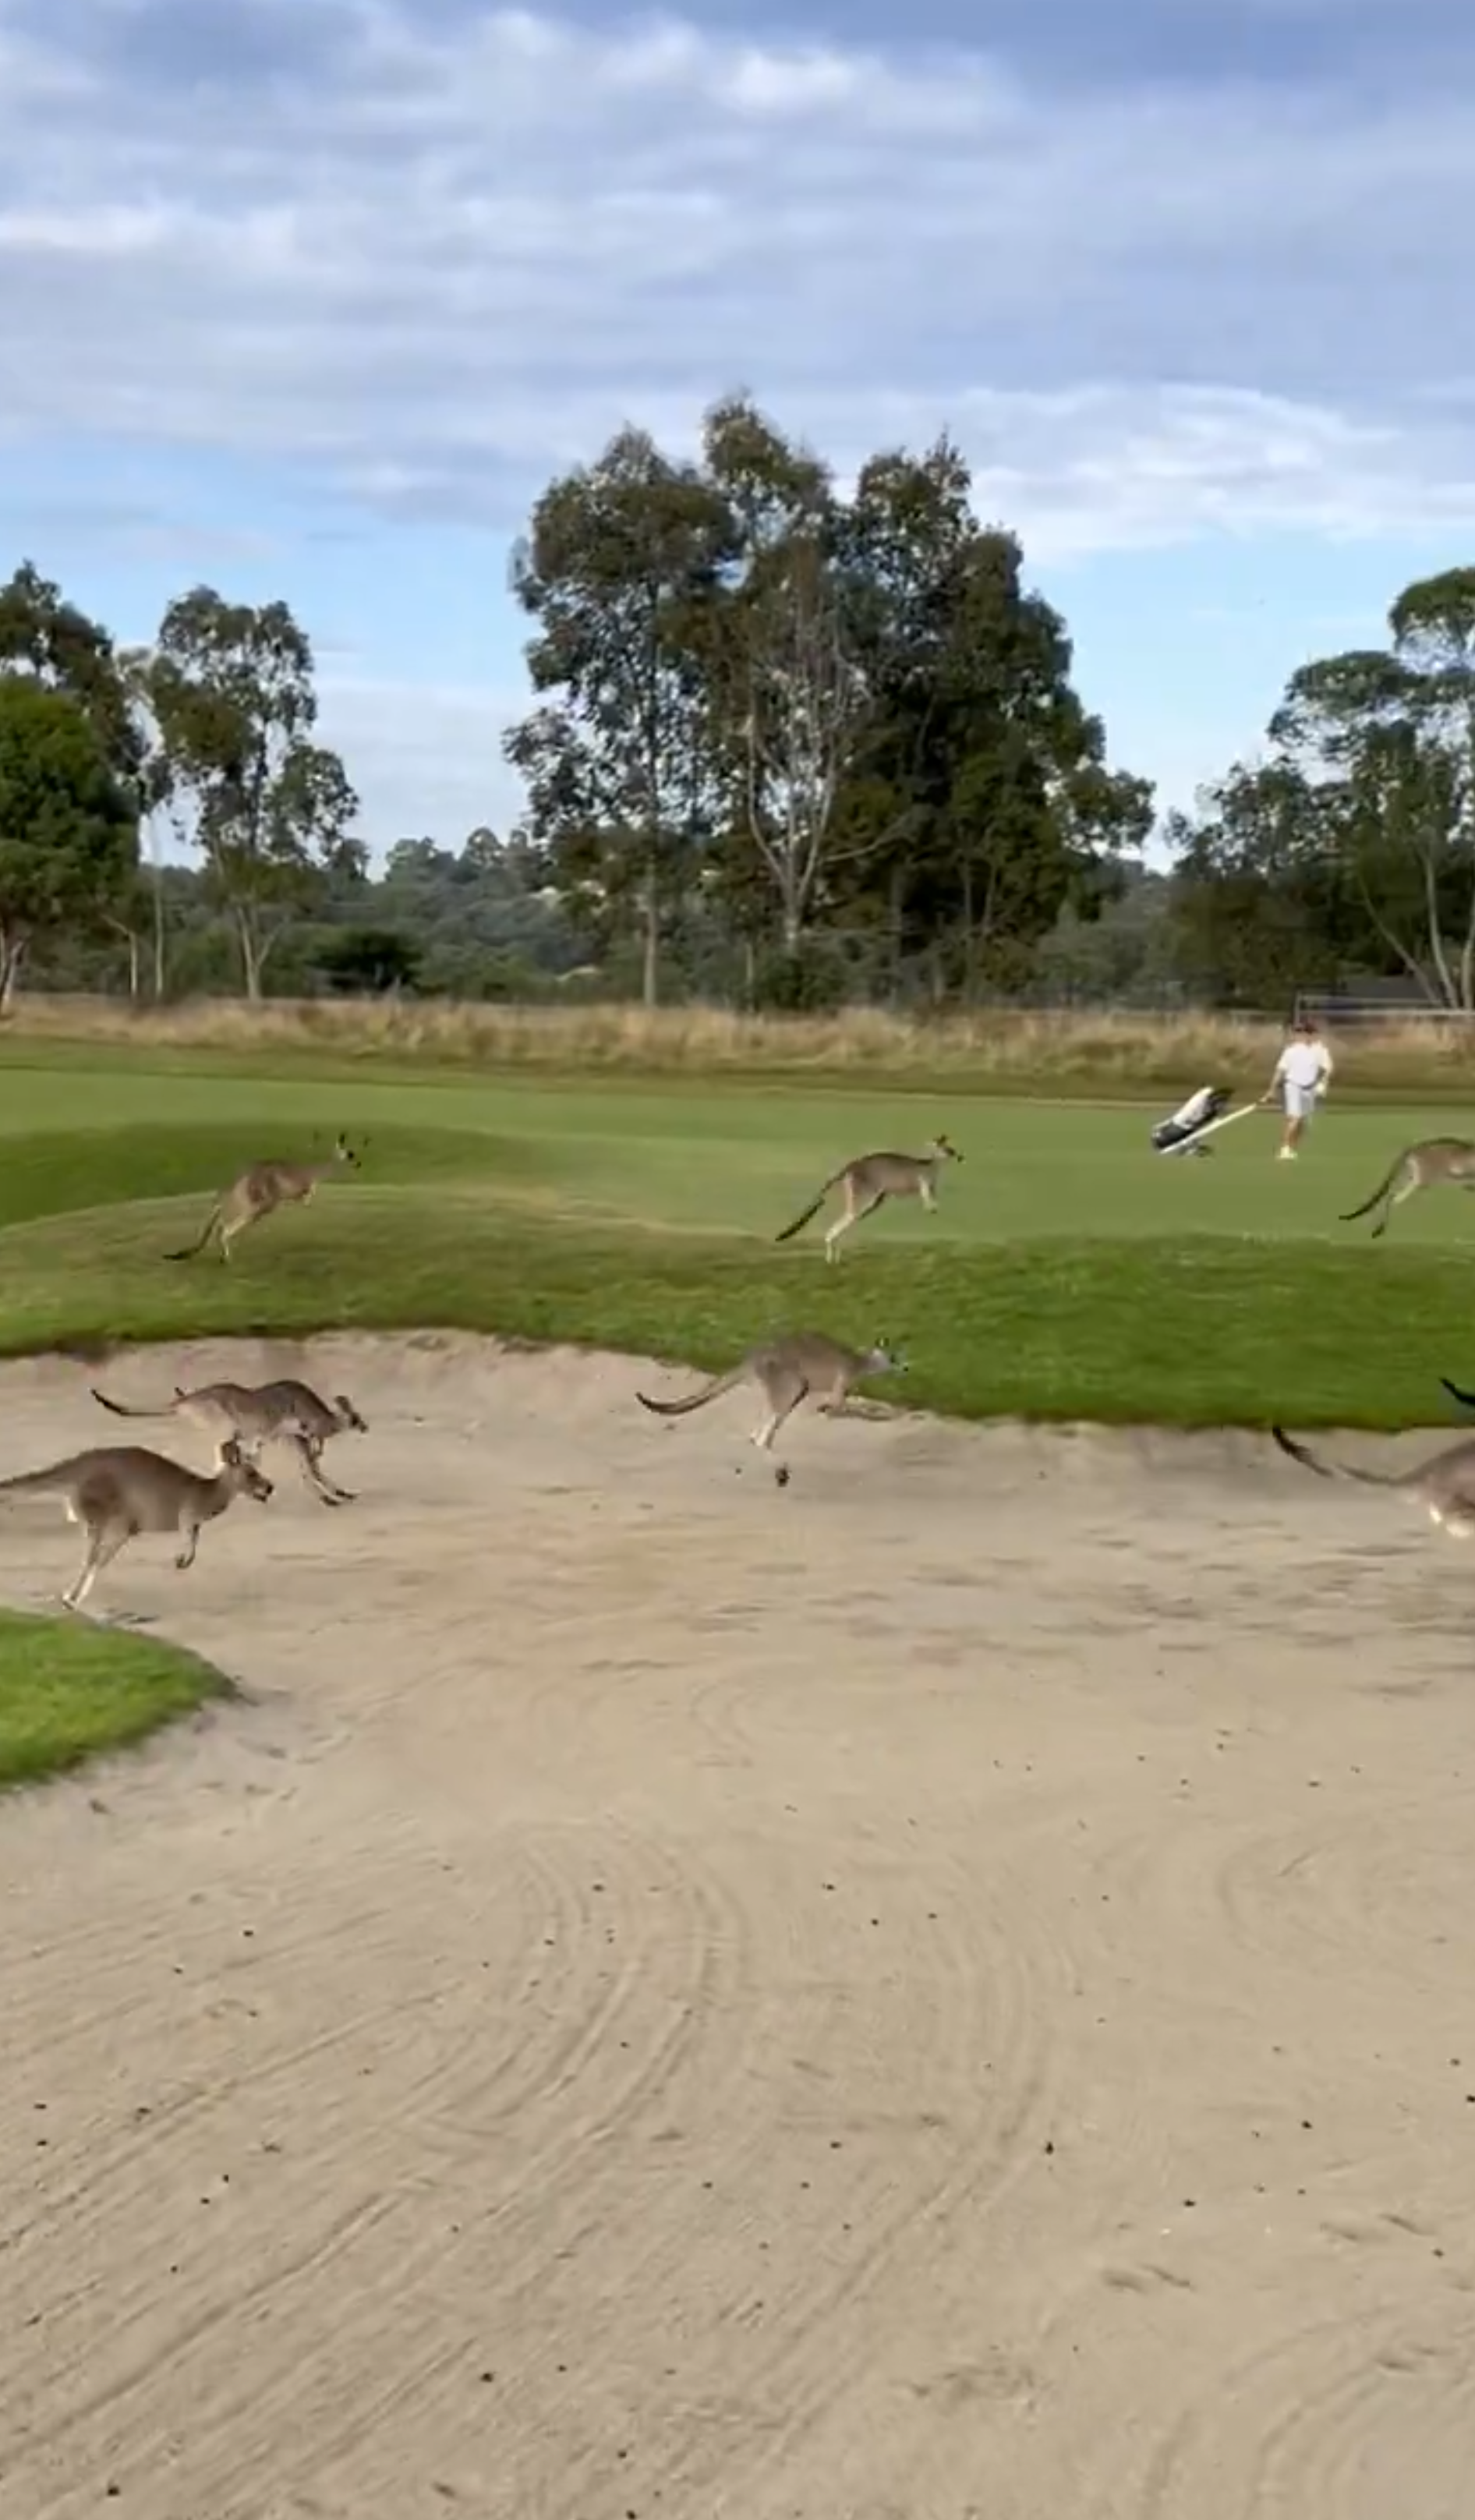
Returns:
point(1303, 1073)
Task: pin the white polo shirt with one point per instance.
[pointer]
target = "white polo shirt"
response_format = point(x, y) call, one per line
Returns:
point(1303, 1064)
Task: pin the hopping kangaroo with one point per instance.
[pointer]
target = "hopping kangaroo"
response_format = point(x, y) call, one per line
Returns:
point(868, 1180)
point(1445, 1487)
point(806, 1366)
point(117, 1495)
point(257, 1413)
point(259, 1192)
point(1433, 1159)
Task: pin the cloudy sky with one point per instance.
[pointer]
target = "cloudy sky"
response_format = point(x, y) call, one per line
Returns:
point(311, 297)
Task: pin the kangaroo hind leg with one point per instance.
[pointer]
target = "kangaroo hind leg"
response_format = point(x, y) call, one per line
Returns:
point(783, 1398)
point(103, 1546)
point(1406, 1190)
point(310, 1462)
point(855, 1212)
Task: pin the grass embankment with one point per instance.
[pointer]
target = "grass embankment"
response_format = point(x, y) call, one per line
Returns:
point(999, 1052)
point(1070, 1273)
point(70, 1690)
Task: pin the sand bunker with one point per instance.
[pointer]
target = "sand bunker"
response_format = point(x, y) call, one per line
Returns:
point(943, 1991)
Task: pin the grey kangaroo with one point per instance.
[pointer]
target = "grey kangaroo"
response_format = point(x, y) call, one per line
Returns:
point(1433, 1159)
point(257, 1413)
point(804, 1366)
point(867, 1182)
point(118, 1493)
point(1445, 1487)
point(259, 1192)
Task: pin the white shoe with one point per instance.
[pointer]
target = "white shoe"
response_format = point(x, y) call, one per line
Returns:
point(1287, 1155)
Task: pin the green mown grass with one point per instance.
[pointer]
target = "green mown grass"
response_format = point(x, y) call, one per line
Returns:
point(1070, 1273)
point(70, 1690)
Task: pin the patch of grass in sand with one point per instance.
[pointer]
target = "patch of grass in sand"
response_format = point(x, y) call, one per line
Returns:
point(1069, 1273)
point(70, 1690)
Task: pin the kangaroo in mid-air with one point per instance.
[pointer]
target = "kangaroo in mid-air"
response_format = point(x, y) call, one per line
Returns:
point(1445, 1487)
point(259, 1192)
point(257, 1413)
point(1433, 1159)
point(803, 1365)
point(868, 1180)
point(119, 1493)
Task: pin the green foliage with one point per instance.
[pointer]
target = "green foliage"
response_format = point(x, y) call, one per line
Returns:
point(1122, 956)
point(790, 748)
point(71, 1691)
point(42, 635)
point(366, 961)
point(69, 825)
point(807, 711)
point(1351, 849)
point(622, 559)
point(809, 979)
point(229, 689)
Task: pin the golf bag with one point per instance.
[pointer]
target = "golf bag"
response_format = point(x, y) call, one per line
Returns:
point(1180, 1135)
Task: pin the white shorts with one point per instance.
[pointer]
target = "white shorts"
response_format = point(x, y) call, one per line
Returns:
point(1299, 1100)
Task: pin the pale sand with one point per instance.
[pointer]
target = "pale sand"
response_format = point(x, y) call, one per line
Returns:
point(940, 1992)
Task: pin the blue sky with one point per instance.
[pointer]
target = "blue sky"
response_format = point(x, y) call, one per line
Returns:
point(310, 297)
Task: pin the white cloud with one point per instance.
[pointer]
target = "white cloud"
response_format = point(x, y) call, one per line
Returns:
point(422, 256)
point(427, 759)
point(430, 257)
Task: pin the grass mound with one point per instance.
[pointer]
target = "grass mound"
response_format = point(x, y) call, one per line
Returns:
point(69, 1691)
point(56, 1172)
point(1199, 1333)
point(1069, 1272)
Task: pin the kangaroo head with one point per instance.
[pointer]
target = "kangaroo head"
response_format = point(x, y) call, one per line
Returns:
point(944, 1147)
point(885, 1360)
point(242, 1472)
point(348, 1417)
point(343, 1152)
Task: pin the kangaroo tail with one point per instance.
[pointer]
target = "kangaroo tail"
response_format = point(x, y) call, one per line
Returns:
point(193, 1249)
point(1466, 1399)
point(119, 1408)
point(1337, 1469)
point(1381, 1192)
point(712, 1390)
point(49, 1477)
point(813, 1209)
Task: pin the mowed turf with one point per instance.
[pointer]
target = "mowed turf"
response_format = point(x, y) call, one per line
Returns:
point(69, 1690)
point(1070, 1273)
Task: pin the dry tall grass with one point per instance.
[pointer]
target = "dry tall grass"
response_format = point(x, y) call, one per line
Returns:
point(999, 1050)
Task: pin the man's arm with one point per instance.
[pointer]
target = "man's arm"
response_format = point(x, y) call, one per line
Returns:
point(1268, 1095)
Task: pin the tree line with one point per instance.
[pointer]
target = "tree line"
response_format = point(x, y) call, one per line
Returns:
point(789, 744)
point(819, 716)
point(211, 728)
point(1344, 854)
